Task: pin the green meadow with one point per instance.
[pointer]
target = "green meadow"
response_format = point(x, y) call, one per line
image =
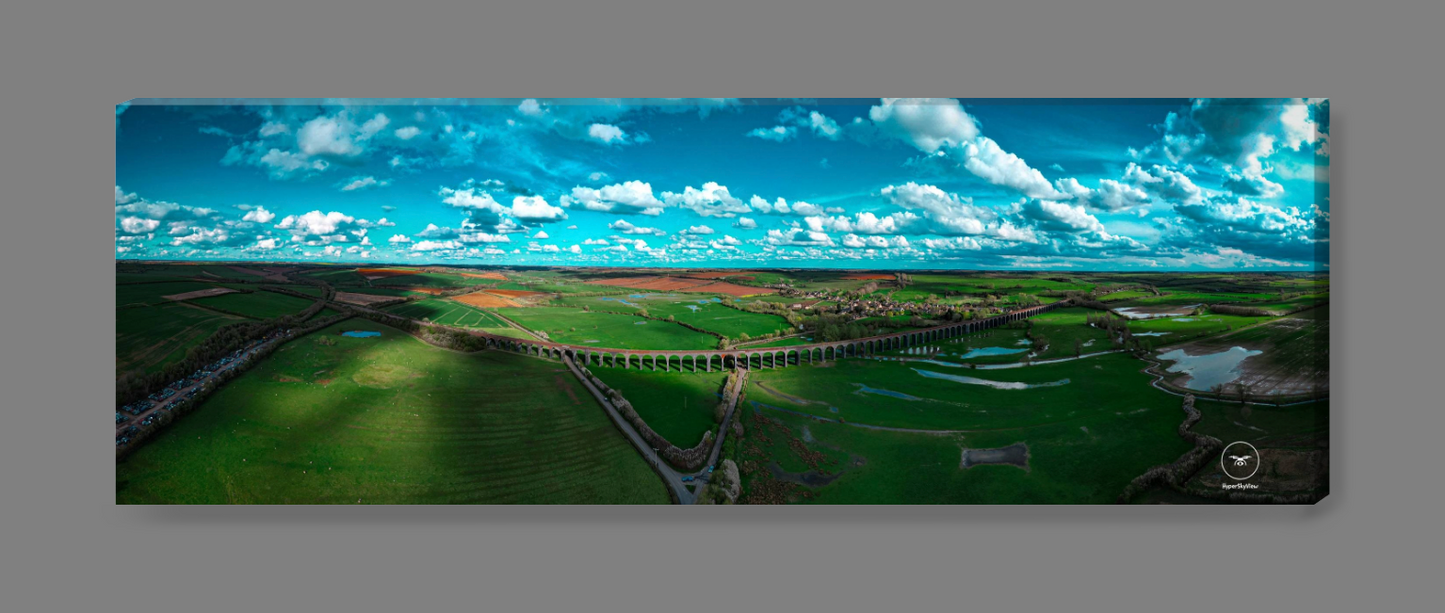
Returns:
point(329, 419)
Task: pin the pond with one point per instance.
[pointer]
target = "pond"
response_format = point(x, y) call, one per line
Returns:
point(1208, 370)
point(864, 389)
point(999, 385)
point(982, 351)
point(360, 333)
point(1155, 312)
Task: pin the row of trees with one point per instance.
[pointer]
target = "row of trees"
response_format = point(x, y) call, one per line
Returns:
point(1177, 472)
point(165, 418)
point(136, 384)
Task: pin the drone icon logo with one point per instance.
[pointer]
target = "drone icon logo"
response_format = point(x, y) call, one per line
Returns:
point(1239, 459)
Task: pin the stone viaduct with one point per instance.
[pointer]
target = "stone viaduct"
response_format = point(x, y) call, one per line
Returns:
point(771, 357)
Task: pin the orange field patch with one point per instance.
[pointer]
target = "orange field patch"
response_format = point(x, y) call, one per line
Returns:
point(730, 289)
point(485, 300)
point(382, 273)
point(514, 293)
point(867, 277)
point(435, 291)
point(495, 276)
point(719, 274)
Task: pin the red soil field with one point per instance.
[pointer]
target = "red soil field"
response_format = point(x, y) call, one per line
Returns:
point(867, 277)
point(719, 274)
point(484, 275)
point(512, 293)
point(730, 289)
point(381, 273)
point(485, 300)
point(435, 291)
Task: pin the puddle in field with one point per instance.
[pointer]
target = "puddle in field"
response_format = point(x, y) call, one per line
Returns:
point(692, 307)
point(1016, 454)
point(983, 351)
point(592, 341)
point(617, 300)
point(360, 333)
point(1208, 370)
point(1155, 312)
point(639, 323)
point(1184, 319)
point(1150, 334)
point(1001, 385)
point(864, 389)
point(811, 478)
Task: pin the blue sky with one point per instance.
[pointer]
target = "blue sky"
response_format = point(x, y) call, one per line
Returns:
point(888, 183)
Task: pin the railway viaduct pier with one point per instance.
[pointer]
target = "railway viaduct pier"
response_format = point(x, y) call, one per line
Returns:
point(761, 358)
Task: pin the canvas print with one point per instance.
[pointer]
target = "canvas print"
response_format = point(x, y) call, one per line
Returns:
point(722, 301)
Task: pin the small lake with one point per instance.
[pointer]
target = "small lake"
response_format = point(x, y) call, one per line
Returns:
point(1154, 312)
point(1210, 369)
point(999, 385)
point(982, 351)
point(360, 333)
point(864, 389)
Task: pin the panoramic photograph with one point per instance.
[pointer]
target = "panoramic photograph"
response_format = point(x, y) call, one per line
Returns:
point(889, 301)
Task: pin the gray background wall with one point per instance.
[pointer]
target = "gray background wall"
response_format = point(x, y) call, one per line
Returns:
point(65, 546)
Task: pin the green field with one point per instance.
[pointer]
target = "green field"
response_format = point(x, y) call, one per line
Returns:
point(577, 327)
point(1065, 329)
point(1187, 297)
point(783, 342)
point(1125, 295)
point(143, 294)
point(427, 279)
point(224, 272)
point(258, 304)
point(1178, 329)
point(338, 277)
point(706, 312)
point(149, 338)
point(391, 420)
point(449, 312)
point(677, 405)
point(1291, 305)
point(1106, 410)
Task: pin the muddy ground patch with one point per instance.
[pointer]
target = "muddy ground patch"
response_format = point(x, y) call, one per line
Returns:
point(1016, 454)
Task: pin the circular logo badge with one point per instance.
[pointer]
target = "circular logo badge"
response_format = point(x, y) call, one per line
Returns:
point(1240, 460)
